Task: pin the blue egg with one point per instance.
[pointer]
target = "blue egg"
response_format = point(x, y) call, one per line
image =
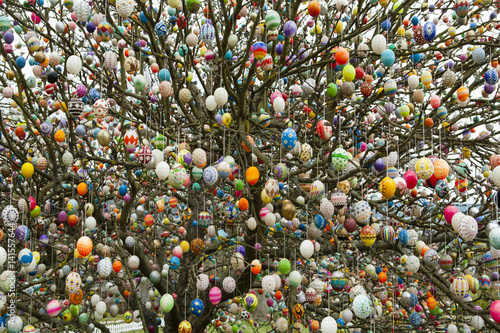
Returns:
point(414, 20)
point(386, 25)
point(415, 319)
point(228, 55)
point(429, 31)
point(320, 222)
point(174, 263)
point(388, 57)
point(491, 76)
point(80, 130)
point(143, 18)
point(20, 62)
point(164, 75)
point(161, 29)
point(289, 138)
point(122, 190)
point(197, 307)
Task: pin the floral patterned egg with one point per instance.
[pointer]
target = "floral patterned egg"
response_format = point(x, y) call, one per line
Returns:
point(178, 176)
point(10, 215)
point(210, 175)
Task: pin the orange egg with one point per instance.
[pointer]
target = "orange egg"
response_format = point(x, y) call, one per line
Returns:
point(82, 188)
point(73, 220)
point(428, 122)
point(20, 132)
point(243, 204)
point(117, 266)
point(155, 67)
point(342, 56)
point(424, 249)
point(60, 136)
point(252, 175)
point(382, 277)
point(314, 8)
point(250, 139)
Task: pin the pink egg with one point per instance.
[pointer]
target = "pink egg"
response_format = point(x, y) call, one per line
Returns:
point(53, 308)
point(411, 179)
point(177, 251)
point(215, 295)
point(263, 212)
point(495, 311)
point(435, 101)
point(449, 212)
point(32, 203)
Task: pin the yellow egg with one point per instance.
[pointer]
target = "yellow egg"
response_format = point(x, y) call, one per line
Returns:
point(339, 27)
point(189, 77)
point(176, 28)
point(401, 31)
point(312, 115)
point(184, 246)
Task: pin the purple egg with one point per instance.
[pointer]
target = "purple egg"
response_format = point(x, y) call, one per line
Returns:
point(22, 233)
point(126, 197)
point(241, 249)
point(218, 117)
point(258, 246)
point(303, 53)
point(289, 29)
point(43, 240)
point(379, 165)
point(489, 88)
point(8, 37)
point(269, 302)
point(90, 27)
point(463, 57)
point(62, 217)
point(81, 90)
point(389, 107)
point(493, 15)
point(494, 276)
point(279, 49)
